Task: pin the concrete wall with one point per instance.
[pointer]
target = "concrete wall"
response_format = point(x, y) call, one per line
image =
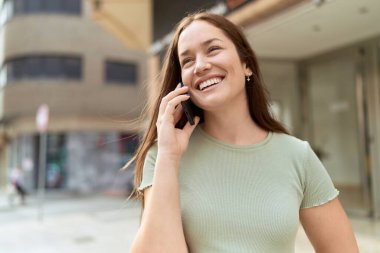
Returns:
point(89, 104)
point(54, 34)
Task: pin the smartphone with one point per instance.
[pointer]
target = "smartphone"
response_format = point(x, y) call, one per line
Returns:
point(187, 107)
point(190, 111)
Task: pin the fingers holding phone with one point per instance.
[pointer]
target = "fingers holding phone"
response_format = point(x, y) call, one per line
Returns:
point(165, 100)
point(170, 138)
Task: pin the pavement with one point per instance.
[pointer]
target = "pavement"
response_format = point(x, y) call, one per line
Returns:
point(102, 223)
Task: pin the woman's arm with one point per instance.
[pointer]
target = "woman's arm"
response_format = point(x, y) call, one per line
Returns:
point(161, 226)
point(328, 228)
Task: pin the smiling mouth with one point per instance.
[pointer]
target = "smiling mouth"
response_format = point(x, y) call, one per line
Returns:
point(210, 82)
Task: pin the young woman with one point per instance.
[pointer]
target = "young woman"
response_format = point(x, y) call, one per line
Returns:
point(237, 182)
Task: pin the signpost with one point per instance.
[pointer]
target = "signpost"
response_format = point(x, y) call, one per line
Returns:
point(42, 120)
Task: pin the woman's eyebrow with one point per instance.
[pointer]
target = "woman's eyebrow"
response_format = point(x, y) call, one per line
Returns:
point(209, 41)
point(205, 43)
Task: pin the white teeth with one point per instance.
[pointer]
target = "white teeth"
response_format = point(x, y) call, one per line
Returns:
point(209, 82)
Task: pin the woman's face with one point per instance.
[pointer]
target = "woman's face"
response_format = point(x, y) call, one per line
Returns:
point(211, 67)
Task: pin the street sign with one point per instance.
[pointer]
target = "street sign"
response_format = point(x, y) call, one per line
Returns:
point(42, 118)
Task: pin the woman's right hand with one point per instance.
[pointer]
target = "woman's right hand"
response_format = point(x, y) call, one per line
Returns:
point(173, 141)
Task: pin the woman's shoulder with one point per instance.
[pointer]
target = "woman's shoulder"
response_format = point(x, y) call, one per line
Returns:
point(291, 147)
point(290, 142)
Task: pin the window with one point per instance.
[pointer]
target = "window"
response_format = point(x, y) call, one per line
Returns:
point(34, 6)
point(53, 6)
point(72, 6)
point(42, 67)
point(53, 66)
point(23, 7)
point(72, 67)
point(17, 68)
point(121, 72)
point(19, 6)
point(32, 68)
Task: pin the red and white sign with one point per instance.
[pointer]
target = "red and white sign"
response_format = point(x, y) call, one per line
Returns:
point(42, 118)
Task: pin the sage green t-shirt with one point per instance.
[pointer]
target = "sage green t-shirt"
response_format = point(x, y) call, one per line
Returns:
point(237, 199)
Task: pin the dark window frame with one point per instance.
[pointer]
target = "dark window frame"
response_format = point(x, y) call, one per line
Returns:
point(29, 7)
point(121, 72)
point(38, 67)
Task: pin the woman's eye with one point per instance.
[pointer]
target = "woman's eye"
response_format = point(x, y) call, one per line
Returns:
point(213, 48)
point(185, 61)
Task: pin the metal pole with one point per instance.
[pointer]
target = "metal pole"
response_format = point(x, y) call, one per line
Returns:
point(41, 175)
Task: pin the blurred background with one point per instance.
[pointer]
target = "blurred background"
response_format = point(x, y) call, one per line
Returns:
point(75, 73)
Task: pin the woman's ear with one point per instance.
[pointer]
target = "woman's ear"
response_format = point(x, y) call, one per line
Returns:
point(247, 70)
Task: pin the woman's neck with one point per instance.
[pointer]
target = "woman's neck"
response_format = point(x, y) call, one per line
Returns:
point(233, 126)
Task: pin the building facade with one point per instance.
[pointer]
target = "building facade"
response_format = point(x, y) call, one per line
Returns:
point(52, 52)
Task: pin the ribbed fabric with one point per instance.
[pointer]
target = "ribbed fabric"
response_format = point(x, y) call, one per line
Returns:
point(239, 199)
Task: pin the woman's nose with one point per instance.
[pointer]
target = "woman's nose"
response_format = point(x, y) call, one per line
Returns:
point(201, 65)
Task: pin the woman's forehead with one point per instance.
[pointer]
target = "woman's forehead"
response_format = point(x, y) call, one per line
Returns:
point(197, 33)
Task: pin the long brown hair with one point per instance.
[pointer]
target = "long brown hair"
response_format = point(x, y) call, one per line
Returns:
point(258, 97)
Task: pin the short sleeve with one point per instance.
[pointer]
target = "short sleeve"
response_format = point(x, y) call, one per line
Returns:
point(318, 186)
point(148, 169)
